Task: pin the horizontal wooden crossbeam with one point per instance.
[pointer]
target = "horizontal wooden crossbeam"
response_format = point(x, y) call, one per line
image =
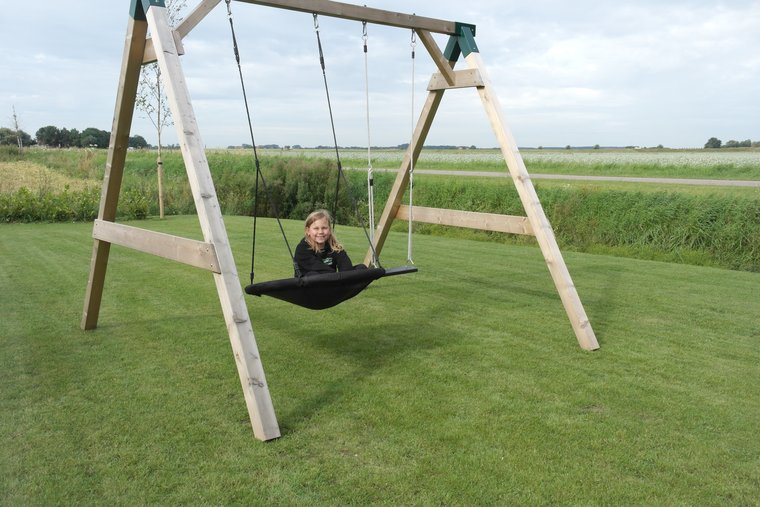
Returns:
point(467, 219)
point(187, 251)
point(187, 24)
point(150, 51)
point(360, 13)
point(469, 78)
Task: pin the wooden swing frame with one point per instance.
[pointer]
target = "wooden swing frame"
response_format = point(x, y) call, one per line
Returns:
point(214, 253)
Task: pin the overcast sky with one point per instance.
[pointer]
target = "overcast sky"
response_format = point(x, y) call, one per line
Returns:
point(613, 73)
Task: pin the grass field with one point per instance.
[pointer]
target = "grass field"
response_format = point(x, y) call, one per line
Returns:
point(459, 385)
point(38, 178)
point(735, 164)
point(53, 169)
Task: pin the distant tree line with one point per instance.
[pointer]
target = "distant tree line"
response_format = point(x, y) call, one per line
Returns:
point(714, 142)
point(55, 137)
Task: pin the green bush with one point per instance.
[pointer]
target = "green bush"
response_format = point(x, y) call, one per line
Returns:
point(134, 204)
point(27, 206)
point(292, 187)
point(10, 153)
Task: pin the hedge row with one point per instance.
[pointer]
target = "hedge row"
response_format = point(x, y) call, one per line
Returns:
point(704, 229)
point(714, 229)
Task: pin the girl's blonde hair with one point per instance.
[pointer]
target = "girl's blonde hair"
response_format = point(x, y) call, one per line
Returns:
point(319, 215)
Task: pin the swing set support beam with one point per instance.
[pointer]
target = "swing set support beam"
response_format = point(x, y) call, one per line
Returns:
point(368, 14)
point(538, 225)
point(214, 252)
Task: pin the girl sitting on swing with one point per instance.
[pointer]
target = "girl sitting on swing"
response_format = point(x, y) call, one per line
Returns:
point(320, 251)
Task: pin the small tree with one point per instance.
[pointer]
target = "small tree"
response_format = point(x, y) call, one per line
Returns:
point(151, 99)
point(10, 137)
point(48, 135)
point(713, 142)
point(138, 142)
point(70, 138)
point(95, 138)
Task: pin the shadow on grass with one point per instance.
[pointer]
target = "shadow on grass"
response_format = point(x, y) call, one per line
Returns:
point(352, 351)
point(601, 293)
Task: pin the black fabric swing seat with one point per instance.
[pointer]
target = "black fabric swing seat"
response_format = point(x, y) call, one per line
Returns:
point(318, 292)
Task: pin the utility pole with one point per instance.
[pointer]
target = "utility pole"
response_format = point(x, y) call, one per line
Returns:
point(18, 131)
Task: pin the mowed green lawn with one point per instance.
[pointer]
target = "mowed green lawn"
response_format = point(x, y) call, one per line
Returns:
point(462, 384)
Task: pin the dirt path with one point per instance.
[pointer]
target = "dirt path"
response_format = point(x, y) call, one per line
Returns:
point(671, 181)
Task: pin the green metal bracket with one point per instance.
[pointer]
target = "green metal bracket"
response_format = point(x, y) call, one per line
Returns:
point(462, 42)
point(461, 26)
point(138, 8)
point(467, 38)
point(452, 51)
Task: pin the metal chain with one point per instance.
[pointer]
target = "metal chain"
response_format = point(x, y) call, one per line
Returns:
point(370, 175)
point(409, 259)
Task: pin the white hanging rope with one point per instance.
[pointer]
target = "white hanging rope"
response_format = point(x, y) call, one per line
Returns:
point(409, 259)
point(370, 176)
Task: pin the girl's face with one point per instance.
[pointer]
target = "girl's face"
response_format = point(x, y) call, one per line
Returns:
point(319, 232)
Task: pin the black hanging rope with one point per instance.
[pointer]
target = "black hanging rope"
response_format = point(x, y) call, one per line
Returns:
point(259, 174)
point(332, 121)
point(341, 173)
point(325, 290)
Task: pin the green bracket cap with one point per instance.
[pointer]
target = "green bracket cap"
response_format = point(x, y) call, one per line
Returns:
point(467, 38)
point(137, 8)
point(459, 26)
point(462, 42)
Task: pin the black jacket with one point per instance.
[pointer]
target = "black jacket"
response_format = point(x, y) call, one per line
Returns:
point(326, 261)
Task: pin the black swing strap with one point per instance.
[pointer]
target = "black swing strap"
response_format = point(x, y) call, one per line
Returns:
point(259, 174)
point(341, 173)
point(332, 120)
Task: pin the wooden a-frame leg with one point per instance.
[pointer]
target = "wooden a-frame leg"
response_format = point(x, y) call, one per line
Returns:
point(540, 224)
point(134, 48)
point(242, 340)
point(402, 176)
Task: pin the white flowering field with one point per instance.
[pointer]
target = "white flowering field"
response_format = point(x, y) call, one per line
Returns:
point(693, 158)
